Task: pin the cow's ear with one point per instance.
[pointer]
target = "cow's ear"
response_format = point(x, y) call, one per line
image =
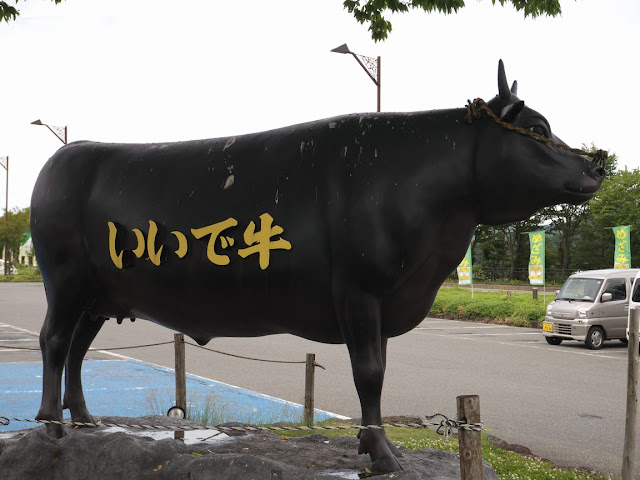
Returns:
point(510, 112)
point(503, 85)
point(514, 87)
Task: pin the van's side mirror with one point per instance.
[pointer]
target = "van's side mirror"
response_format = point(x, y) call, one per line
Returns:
point(557, 292)
point(606, 297)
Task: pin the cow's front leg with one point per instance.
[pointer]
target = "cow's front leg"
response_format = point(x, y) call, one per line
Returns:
point(360, 323)
point(84, 334)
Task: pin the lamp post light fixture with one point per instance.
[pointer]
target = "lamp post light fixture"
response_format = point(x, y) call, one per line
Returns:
point(369, 64)
point(60, 132)
point(4, 162)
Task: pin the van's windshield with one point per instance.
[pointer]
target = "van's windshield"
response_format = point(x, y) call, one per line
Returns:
point(580, 289)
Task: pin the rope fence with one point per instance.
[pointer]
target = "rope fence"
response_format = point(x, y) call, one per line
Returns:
point(133, 347)
point(444, 427)
point(468, 424)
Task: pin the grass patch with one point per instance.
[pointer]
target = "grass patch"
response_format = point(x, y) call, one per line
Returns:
point(518, 309)
point(507, 464)
point(25, 274)
point(211, 410)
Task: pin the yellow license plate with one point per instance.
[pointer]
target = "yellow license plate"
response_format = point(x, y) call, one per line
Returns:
point(547, 327)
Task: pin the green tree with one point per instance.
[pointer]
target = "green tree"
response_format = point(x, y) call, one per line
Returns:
point(617, 203)
point(15, 230)
point(9, 12)
point(504, 248)
point(373, 12)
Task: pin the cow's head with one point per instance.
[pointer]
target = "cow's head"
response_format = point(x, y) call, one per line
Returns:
point(516, 175)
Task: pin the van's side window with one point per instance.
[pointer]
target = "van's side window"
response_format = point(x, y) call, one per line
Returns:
point(617, 288)
point(636, 292)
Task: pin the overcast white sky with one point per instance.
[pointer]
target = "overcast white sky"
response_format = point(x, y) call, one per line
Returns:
point(159, 70)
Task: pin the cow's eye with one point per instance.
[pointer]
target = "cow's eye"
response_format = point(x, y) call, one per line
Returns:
point(539, 130)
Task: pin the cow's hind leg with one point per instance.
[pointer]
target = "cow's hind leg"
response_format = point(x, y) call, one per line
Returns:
point(360, 323)
point(55, 339)
point(84, 333)
point(383, 347)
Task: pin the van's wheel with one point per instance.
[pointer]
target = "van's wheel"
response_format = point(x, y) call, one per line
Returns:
point(595, 338)
point(553, 340)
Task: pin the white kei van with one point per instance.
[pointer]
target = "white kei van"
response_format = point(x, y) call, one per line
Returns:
point(634, 301)
point(591, 307)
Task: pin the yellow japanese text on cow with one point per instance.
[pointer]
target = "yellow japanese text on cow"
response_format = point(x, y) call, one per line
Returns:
point(259, 242)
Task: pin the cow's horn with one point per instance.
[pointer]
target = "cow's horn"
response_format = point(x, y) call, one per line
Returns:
point(503, 85)
point(514, 87)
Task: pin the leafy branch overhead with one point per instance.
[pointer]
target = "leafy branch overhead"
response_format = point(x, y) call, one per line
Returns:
point(9, 12)
point(373, 11)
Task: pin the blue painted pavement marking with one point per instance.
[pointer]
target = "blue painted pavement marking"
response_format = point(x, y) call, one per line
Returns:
point(131, 388)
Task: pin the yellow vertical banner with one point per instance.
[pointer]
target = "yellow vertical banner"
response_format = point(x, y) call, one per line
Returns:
point(622, 253)
point(465, 270)
point(536, 258)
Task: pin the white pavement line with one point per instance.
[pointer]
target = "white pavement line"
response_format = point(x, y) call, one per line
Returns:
point(17, 340)
point(479, 339)
point(478, 327)
point(506, 334)
point(24, 330)
point(20, 329)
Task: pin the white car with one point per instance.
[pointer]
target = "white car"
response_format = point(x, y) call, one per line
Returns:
point(634, 300)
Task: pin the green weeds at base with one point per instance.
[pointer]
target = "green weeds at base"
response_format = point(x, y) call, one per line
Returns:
point(211, 410)
point(508, 465)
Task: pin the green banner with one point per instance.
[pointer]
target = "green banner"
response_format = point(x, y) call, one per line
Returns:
point(536, 258)
point(622, 254)
point(465, 270)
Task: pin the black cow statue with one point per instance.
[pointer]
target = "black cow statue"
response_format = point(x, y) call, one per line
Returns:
point(339, 231)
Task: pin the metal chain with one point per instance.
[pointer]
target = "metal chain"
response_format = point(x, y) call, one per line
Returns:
point(475, 109)
point(446, 425)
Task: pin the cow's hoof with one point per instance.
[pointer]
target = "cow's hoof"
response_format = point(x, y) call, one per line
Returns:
point(382, 452)
point(394, 449)
point(82, 416)
point(386, 465)
point(55, 431)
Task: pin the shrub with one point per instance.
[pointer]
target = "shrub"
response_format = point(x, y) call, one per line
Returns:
point(519, 309)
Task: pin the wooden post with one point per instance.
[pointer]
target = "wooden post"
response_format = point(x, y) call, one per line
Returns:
point(181, 378)
point(535, 293)
point(631, 422)
point(309, 381)
point(470, 441)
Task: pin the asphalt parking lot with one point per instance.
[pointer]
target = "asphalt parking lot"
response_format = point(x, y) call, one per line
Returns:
point(565, 402)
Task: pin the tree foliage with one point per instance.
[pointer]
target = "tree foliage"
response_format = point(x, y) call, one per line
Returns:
point(373, 12)
point(15, 230)
point(9, 12)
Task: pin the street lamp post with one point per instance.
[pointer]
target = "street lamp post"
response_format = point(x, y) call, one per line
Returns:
point(4, 161)
point(369, 64)
point(60, 132)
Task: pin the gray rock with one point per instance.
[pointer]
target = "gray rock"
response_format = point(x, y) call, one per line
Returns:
point(101, 455)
